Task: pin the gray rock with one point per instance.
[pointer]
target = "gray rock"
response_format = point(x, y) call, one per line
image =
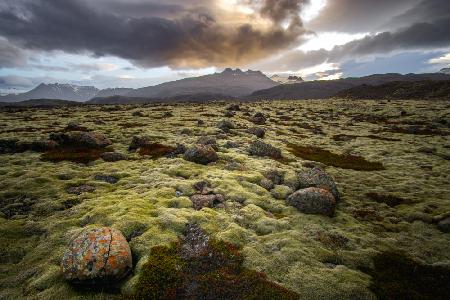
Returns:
point(208, 140)
point(106, 178)
point(199, 201)
point(313, 200)
point(318, 178)
point(226, 126)
point(267, 184)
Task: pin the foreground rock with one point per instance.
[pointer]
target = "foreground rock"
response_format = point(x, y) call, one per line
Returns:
point(97, 255)
point(313, 201)
point(318, 178)
point(258, 131)
point(201, 154)
point(259, 148)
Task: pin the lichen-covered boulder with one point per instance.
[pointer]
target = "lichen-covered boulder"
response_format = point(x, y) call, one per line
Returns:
point(317, 178)
point(201, 154)
point(259, 148)
point(97, 255)
point(313, 201)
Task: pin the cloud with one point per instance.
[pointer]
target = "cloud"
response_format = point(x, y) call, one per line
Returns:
point(11, 56)
point(419, 36)
point(359, 15)
point(445, 59)
point(172, 34)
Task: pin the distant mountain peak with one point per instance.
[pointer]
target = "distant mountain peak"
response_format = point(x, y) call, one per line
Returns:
point(445, 71)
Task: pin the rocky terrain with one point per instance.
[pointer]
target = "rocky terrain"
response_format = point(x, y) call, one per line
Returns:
point(325, 199)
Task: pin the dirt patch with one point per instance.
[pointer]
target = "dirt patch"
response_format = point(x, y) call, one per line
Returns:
point(390, 200)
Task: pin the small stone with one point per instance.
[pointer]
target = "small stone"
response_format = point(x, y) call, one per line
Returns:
point(313, 201)
point(97, 255)
point(208, 140)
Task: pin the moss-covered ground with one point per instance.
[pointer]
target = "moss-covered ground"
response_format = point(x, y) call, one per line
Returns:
point(383, 210)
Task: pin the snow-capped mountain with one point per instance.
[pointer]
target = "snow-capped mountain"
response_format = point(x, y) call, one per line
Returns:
point(55, 91)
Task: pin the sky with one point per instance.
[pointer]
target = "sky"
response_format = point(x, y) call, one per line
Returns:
point(137, 43)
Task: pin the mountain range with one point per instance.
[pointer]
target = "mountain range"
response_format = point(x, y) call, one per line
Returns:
point(227, 85)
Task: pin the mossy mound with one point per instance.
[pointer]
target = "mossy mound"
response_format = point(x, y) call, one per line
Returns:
point(343, 161)
point(217, 273)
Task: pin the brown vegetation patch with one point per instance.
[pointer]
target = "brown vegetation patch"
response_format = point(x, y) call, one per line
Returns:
point(73, 154)
point(344, 161)
point(131, 125)
point(156, 150)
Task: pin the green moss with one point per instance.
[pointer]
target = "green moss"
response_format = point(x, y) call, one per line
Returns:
point(346, 161)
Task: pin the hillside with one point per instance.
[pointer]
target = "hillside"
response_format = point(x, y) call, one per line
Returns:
point(400, 90)
point(42, 103)
point(235, 83)
point(328, 88)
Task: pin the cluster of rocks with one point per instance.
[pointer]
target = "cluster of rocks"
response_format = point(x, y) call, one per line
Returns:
point(259, 148)
point(311, 192)
point(205, 196)
point(258, 119)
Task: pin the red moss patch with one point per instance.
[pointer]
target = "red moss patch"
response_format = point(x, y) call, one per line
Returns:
point(344, 161)
point(217, 272)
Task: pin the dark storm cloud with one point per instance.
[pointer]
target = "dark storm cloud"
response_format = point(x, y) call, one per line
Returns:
point(185, 39)
point(359, 15)
point(433, 33)
point(10, 55)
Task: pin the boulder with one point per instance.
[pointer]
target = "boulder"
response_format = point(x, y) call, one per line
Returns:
point(318, 178)
point(139, 142)
point(80, 139)
point(259, 148)
point(97, 255)
point(258, 131)
point(201, 154)
point(313, 200)
point(267, 184)
point(258, 119)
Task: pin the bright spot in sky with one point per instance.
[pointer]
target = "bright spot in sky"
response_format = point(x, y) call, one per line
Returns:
point(318, 69)
point(445, 59)
point(327, 40)
point(312, 10)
